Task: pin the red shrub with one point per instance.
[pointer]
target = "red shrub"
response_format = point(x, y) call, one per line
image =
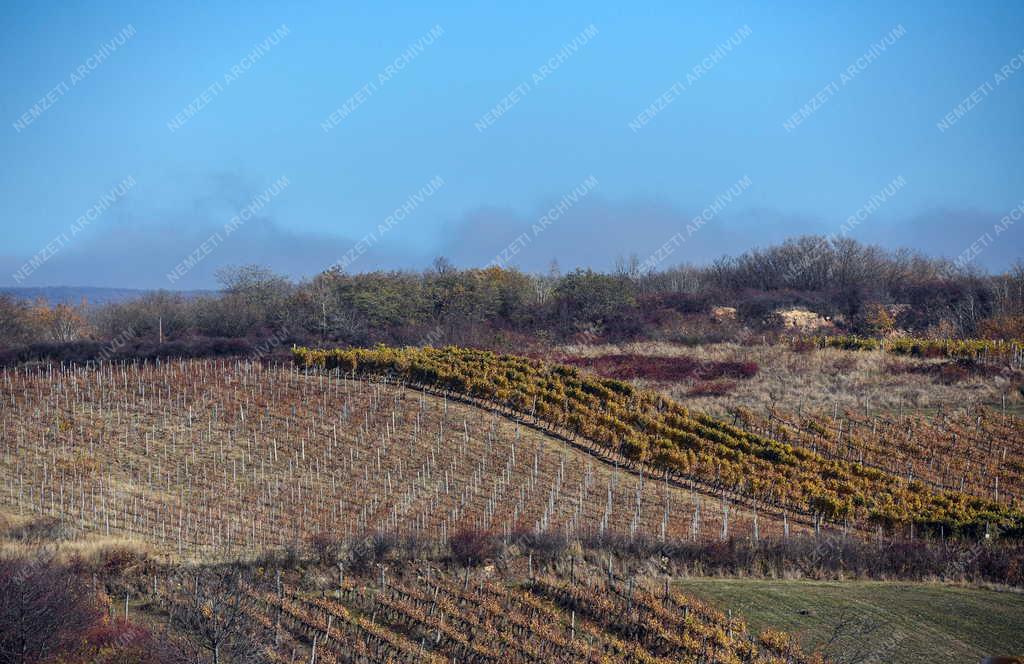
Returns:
point(713, 370)
point(121, 642)
point(662, 369)
point(947, 373)
point(712, 389)
point(803, 344)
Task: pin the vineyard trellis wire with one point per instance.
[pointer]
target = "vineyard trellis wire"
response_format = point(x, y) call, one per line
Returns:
point(646, 427)
point(227, 458)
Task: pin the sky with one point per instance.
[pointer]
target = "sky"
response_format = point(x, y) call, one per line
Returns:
point(148, 146)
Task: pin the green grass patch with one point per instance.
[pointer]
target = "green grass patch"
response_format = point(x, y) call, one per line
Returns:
point(913, 622)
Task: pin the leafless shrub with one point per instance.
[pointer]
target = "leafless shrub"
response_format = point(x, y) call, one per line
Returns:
point(364, 553)
point(45, 611)
point(43, 529)
point(469, 546)
point(545, 546)
point(326, 547)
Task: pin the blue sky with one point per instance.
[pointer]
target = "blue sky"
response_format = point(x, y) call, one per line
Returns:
point(422, 122)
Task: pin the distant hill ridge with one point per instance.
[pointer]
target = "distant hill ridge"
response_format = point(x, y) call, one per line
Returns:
point(93, 295)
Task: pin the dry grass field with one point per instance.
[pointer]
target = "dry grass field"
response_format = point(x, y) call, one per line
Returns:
point(823, 379)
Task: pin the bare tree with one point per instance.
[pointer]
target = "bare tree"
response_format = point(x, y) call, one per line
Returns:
point(44, 610)
point(215, 614)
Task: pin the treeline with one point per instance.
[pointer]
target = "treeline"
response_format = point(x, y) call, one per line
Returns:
point(859, 289)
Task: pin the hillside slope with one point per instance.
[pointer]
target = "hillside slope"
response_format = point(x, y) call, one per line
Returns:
point(203, 458)
point(649, 429)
